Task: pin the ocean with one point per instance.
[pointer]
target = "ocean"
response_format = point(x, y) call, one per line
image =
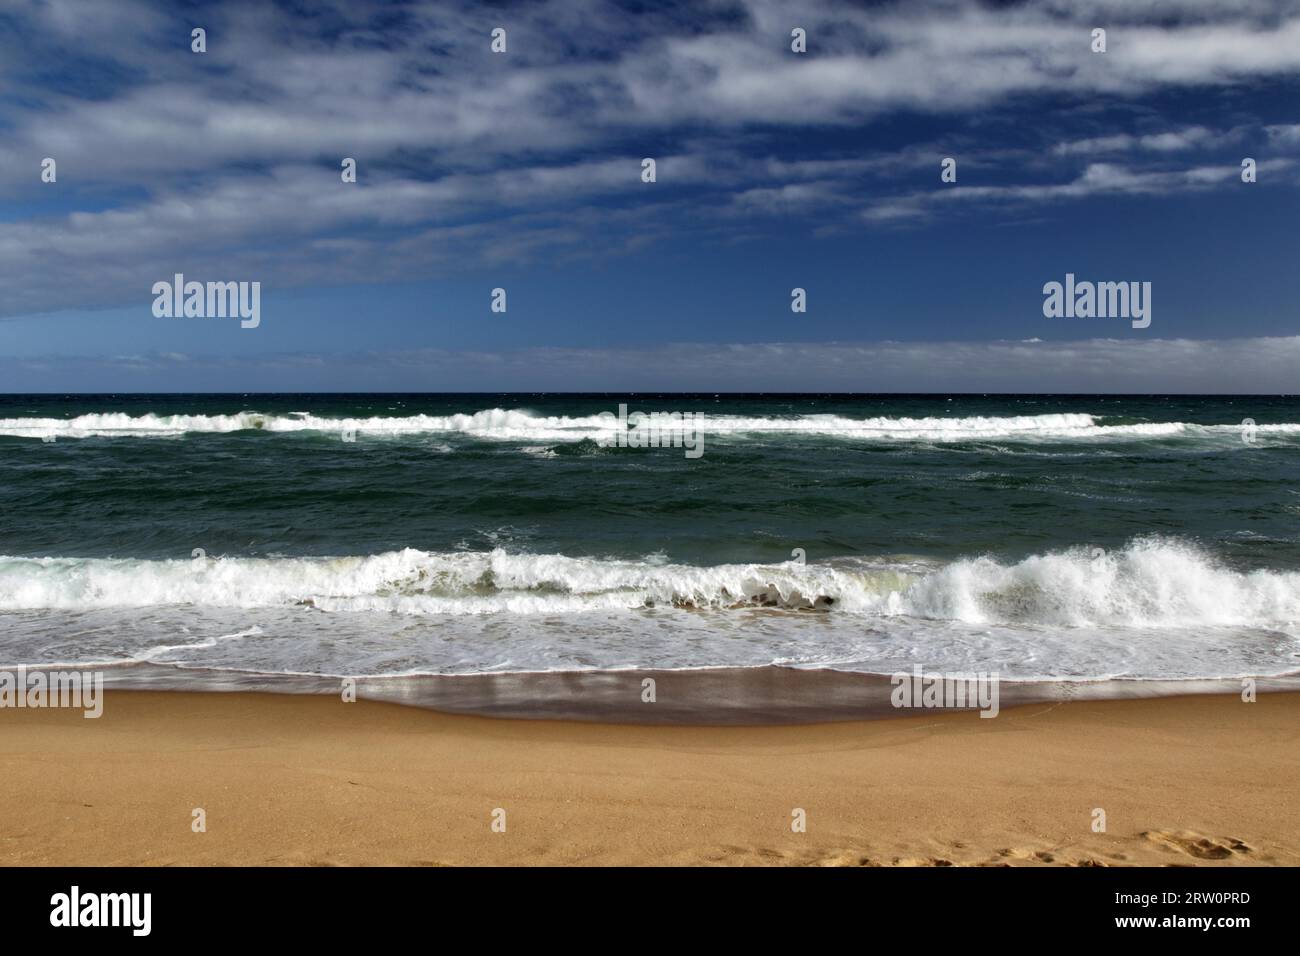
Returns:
point(267, 537)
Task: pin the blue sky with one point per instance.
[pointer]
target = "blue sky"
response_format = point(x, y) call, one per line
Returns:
point(521, 170)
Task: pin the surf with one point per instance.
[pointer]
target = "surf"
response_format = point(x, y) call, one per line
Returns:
point(1150, 583)
point(513, 425)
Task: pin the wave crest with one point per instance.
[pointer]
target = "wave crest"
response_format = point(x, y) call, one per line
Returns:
point(521, 425)
point(1151, 583)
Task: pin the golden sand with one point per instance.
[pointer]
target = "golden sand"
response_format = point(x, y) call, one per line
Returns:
point(314, 780)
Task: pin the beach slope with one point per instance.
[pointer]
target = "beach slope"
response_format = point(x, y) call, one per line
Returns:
point(316, 781)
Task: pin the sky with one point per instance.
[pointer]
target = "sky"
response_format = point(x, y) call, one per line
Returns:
point(774, 170)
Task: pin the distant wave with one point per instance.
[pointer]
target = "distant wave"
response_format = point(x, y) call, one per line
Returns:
point(1151, 583)
point(519, 425)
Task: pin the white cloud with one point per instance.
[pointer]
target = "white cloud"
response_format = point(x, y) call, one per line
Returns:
point(276, 89)
point(1168, 141)
point(231, 157)
point(1284, 135)
point(1098, 179)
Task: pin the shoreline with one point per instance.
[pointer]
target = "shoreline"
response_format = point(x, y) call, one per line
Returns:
point(309, 780)
point(717, 696)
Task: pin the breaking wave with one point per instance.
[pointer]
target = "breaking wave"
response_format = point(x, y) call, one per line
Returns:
point(1151, 583)
point(520, 425)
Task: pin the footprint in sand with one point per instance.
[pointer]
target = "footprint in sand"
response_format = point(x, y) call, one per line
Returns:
point(1026, 854)
point(845, 858)
point(1196, 844)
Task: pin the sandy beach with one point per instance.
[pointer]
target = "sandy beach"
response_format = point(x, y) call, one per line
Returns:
point(314, 781)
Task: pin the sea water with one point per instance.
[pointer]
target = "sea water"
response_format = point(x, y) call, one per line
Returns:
point(1057, 538)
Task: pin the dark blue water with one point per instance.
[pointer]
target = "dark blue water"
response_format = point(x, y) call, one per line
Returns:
point(748, 498)
point(1063, 535)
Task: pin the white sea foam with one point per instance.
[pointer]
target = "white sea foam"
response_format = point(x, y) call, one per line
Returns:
point(1152, 583)
point(1157, 609)
point(490, 423)
point(521, 425)
point(409, 581)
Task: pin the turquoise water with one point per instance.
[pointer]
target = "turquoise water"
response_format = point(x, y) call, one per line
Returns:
point(1049, 536)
